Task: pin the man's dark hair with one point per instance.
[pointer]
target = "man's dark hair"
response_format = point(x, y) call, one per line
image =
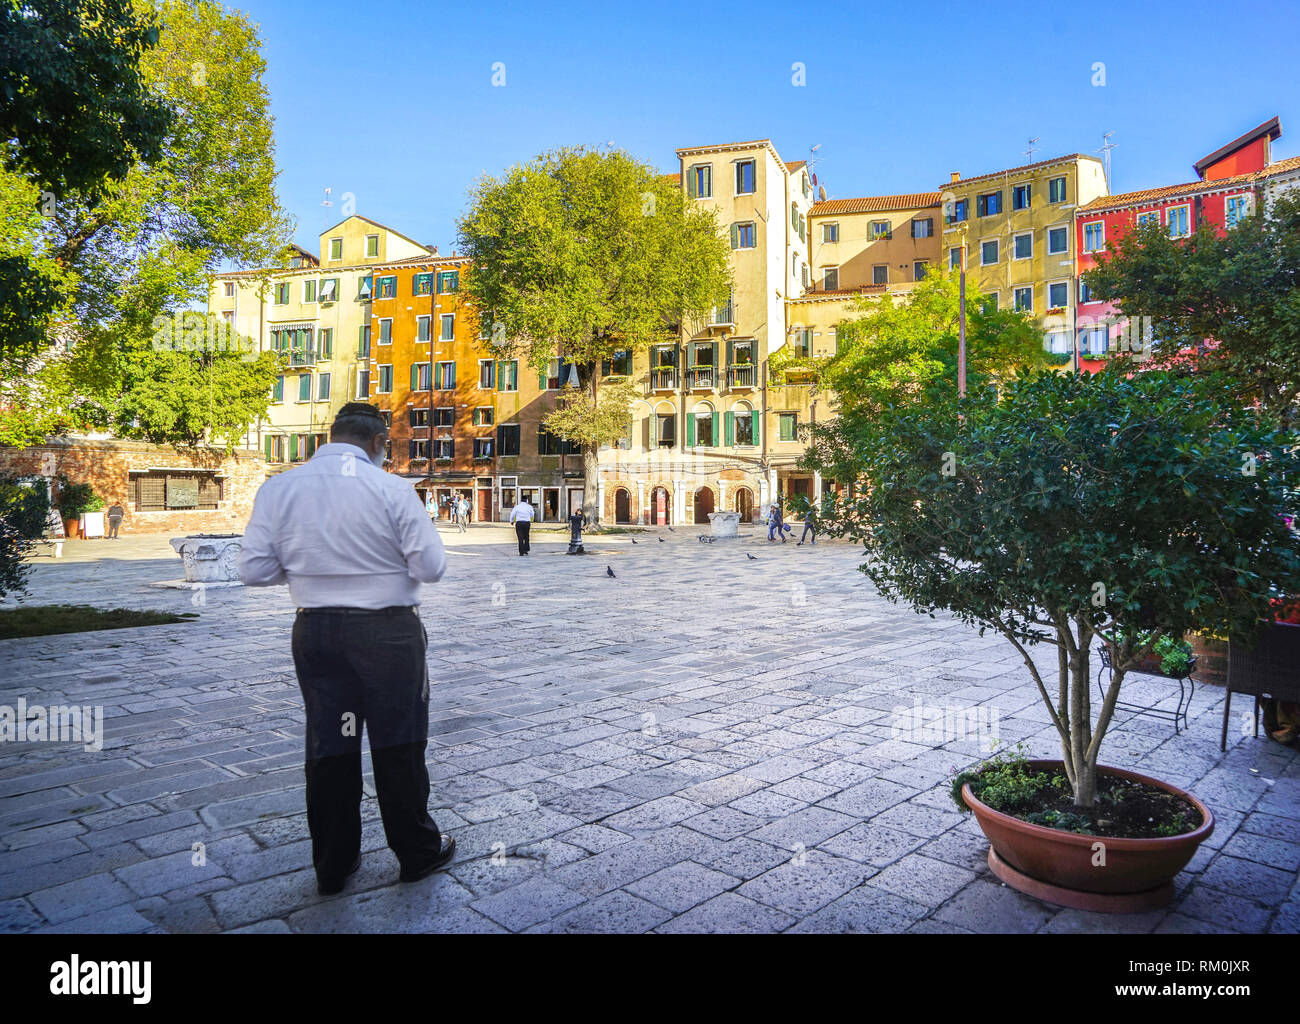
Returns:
point(358, 421)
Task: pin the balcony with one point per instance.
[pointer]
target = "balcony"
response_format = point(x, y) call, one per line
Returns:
point(663, 379)
point(701, 378)
point(741, 376)
point(300, 357)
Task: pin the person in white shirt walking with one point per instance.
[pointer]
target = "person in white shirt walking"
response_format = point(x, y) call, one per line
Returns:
point(522, 516)
point(462, 512)
point(354, 544)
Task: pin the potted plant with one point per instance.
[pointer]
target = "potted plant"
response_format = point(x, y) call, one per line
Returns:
point(74, 499)
point(1071, 511)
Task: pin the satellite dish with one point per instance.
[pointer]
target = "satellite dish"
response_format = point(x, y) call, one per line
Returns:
point(821, 193)
point(814, 179)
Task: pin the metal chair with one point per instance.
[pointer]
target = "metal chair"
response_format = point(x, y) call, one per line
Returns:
point(1272, 669)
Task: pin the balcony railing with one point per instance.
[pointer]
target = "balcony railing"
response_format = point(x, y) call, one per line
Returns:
point(299, 357)
point(663, 379)
point(741, 376)
point(701, 378)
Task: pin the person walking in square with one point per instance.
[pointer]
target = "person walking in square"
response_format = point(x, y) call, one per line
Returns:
point(462, 512)
point(354, 544)
point(809, 526)
point(522, 516)
point(776, 523)
point(115, 514)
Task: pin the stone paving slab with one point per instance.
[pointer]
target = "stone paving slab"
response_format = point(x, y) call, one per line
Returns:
point(704, 744)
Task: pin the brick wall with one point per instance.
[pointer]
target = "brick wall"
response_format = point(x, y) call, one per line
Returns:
point(107, 465)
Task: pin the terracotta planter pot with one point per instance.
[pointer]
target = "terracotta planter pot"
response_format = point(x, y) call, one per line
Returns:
point(1066, 868)
point(1211, 659)
point(72, 528)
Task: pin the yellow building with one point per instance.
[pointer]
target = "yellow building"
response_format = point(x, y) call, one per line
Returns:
point(316, 313)
point(1018, 226)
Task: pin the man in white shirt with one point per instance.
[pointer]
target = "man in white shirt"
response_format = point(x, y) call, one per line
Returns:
point(522, 516)
point(354, 545)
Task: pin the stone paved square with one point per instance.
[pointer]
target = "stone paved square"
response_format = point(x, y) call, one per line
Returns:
point(702, 744)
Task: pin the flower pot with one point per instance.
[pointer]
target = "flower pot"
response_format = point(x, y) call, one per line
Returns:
point(1099, 873)
point(1211, 659)
point(72, 528)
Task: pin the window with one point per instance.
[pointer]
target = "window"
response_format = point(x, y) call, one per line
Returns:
point(419, 418)
point(486, 374)
point(336, 248)
point(989, 204)
point(386, 332)
point(1238, 207)
point(547, 443)
point(1023, 246)
point(363, 342)
point(1148, 218)
point(988, 252)
point(386, 287)
point(1058, 241)
point(1094, 236)
point(619, 365)
point(444, 448)
point(742, 353)
point(746, 178)
point(1056, 190)
point(444, 416)
point(448, 281)
point(329, 289)
point(918, 270)
point(880, 273)
point(447, 321)
point(744, 236)
point(923, 228)
point(699, 181)
point(957, 210)
point(483, 416)
point(228, 315)
point(701, 425)
point(744, 426)
point(508, 439)
point(372, 245)
point(422, 328)
point(1020, 197)
point(990, 303)
point(1057, 341)
point(325, 342)
point(666, 429)
point(724, 314)
point(806, 185)
point(420, 376)
point(309, 290)
point(1024, 299)
point(954, 258)
point(322, 387)
point(277, 392)
point(1058, 295)
point(365, 288)
point(880, 229)
point(1085, 292)
point(831, 232)
point(1093, 341)
point(788, 423)
point(363, 383)
point(1178, 220)
point(804, 274)
point(801, 344)
point(444, 378)
point(419, 448)
point(482, 447)
point(831, 278)
point(158, 491)
point(282, 294)
point(304, 387)
point(230, 289)
point(422, 284)
point(385, 379)
point(507, 375)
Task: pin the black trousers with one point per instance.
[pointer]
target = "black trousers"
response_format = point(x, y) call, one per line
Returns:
point(368, 669)
point(521, 531)
point(113, 524)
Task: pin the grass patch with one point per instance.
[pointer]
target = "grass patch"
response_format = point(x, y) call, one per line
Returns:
point(50, 619)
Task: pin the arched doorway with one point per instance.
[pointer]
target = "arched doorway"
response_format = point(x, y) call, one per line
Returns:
point(703, 505)
point(661, 507)
point(622, 506)
point(745, 504)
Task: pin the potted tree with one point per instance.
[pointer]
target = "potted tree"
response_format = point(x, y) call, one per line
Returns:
point(1070, 511)
point(74, 499)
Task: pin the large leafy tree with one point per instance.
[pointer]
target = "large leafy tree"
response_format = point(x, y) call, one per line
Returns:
point(1232, 297)
point(134, 249)
point(578, 254)
point(1073, 511)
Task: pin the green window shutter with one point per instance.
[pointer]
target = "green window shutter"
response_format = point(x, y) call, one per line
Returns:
point(691, 190)
point(268, 448)
point(311, 445)
point(715, 429)
point(714, 346)
point(501, 379)
point(646, 440)
point(735, 236)
point(757, 438)
point(690, 430)
point(414, 370)
point(731, 352)
point(437, 283)
point(293, 447)
point(605, 366)
point(729, 425)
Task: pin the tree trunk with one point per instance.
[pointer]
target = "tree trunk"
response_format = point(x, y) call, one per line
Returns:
point(591, 484)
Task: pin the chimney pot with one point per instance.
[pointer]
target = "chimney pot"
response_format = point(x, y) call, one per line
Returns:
point(956, 177)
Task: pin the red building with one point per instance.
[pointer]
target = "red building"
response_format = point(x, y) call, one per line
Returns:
point(1231, 182)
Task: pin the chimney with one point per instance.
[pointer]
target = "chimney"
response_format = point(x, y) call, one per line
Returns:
point(453, 253)
point(956, 177)
point(435, 250)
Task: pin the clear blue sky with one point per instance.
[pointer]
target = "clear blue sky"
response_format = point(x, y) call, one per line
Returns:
point(394, 102)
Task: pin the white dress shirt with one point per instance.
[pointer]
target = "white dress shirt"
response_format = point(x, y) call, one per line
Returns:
point(342, 533)
point(522, 512)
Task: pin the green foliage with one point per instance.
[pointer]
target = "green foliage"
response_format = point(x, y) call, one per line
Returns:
point(24, 512)
point(593, 422)
point(1073, 507)
point(1240, 288)
point(74, 499)
point(1174, 652)
point(1066, 821)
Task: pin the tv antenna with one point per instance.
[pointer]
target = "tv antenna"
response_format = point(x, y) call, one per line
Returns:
point(1032, 148)
point(812, 157)
point(1106, 147)
point(327, 201)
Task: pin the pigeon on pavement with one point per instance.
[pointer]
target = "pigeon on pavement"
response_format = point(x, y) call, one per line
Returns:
point(750, 557)
point(609, 572)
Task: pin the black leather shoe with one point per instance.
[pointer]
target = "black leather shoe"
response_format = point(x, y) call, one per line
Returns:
point(444, 856)
point(334, 888)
